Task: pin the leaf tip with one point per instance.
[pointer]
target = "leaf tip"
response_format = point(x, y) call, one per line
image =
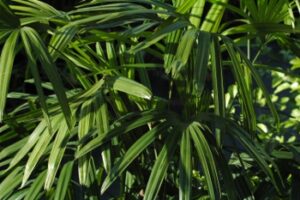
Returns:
point(103, 188)
point(23, 183)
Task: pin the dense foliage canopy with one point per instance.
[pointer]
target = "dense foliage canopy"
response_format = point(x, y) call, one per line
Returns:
point(149, 99)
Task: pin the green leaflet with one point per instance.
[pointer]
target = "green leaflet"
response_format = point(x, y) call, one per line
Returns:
point(7, 151)
point(140, 145)
point(207, 161)
point(160, 167)
point(6, 63)
point(85, 123)
point(197, 12)
point(260, 28)
point(10, 182)
point(57, 153)
point(35, 72)
point(34, 11)
point(213, 17)
point(201, 63)
point(143, 118)
point(186, 6)
point(258, 153)
point(50, 69)
point(261, 85)
point(114, 16)
point(122, 84)
point(19, 195)
point(36, 187)
point(60, 40)
point(162, 32)
point(252, 147)
point(185, 167)
point(267, 11)
point(32, 140)
point(40, 148)
point(217, 82)
point(8, 19)
point(102, 124)
point(63, 181)
point(243, 87)
point(183, 52)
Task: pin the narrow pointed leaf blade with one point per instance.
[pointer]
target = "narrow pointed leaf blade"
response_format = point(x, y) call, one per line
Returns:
point(36, 187)
point(102, 123)
point(213, 17)
point(10, 182)
point(32, 140)
point(129, 86)
point(63, 181)
point(85, 124)
point(60, 40)
point(40, 148)
point(185, 167)
point(144, 118)
point(37, 79)
point(6, 64)
point(140, 145)
point(207, 161)
point(260, 83)
point(51, 71)
point(57, 153)
point(160, 167)
point(201, 63)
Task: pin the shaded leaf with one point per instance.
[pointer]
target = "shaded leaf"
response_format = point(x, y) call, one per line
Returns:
point(139, 146)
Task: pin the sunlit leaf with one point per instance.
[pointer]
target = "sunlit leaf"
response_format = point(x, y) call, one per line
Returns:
point(6, 63)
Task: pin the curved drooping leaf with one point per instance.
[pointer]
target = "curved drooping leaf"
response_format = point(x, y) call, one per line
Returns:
point(32, 63)
point(264, 161)
point(33, 11)
point(243, 86)
point(207, 160)
point(260, 83)
point(138, 147)
point(11, 182)
point(6, 63)
point(36, 187)
point(162, 32)
point(57, 153)
point(160, 167)
point(102, 124)
point(183, 52)
point(122, 84)
point(261, 157)
point(40, 148)
point(84, 125)
point(32, 140)
point(63, 181)
point(185, 167)
point(9, 150)
point(124, 127)
point(201, 63)
point(60, 40)
point(218, 83)
point(50, 69)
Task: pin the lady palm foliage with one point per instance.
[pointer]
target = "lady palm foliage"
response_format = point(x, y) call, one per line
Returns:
point(143, 99)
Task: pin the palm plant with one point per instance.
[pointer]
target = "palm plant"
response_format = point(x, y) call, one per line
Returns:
point(130, 99)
